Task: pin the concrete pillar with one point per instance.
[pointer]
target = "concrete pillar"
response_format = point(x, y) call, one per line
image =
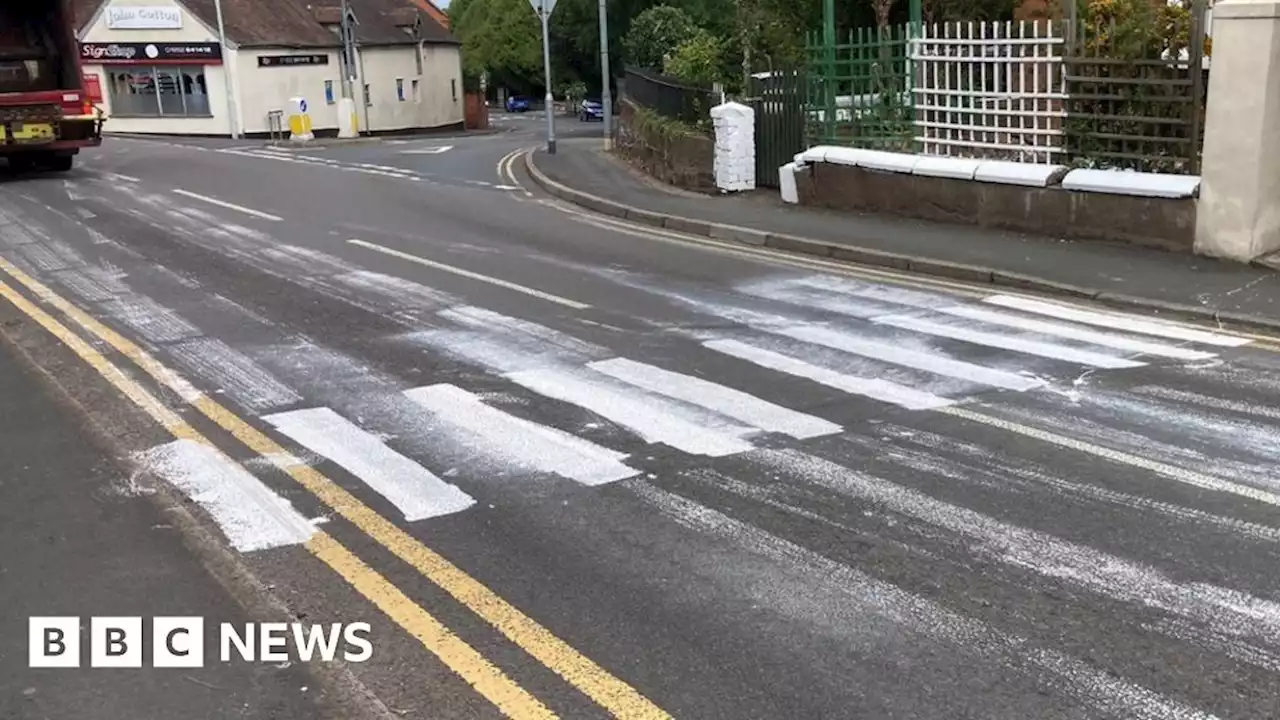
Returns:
point(1238, 214)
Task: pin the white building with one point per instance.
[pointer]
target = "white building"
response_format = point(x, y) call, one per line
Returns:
point(160, 67)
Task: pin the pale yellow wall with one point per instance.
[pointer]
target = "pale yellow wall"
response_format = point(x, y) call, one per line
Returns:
point(193, 30)
point(265, 89)
point(435, 105)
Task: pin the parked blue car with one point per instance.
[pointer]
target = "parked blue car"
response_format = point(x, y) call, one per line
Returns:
point(517, 104)
point(590, 110)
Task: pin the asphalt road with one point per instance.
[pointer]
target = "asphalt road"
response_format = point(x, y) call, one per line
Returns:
point(588, 469)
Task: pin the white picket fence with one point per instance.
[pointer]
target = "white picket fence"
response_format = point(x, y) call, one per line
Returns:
point(990, 90)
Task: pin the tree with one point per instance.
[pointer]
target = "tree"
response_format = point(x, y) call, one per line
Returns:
point(698, 61)
point(502, 37)
point(655, 33)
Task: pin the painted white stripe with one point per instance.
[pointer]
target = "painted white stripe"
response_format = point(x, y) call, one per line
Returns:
point(229, 206)
point(874, 388)
point(472, 275)
point(520, 441)
point(413, 489)
point(653, 418)
point(1115, 321)
point(249, 514)
point(1119, 342)
point(726, 401)
point(1029, 347)
point(1173, 472)
point(929, 362)
point(150, 319)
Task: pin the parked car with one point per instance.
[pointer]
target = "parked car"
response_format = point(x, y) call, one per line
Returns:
point(590, 110)
point(517, 104)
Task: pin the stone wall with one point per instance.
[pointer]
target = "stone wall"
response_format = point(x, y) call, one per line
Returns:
point(1151, 221)
point(665, 149)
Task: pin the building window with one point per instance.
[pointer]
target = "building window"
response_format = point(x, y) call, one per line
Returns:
point(159, 91)
point(417, 92)
point(417, 55)
point(400, 89)
point(368, 97)
point(453, 88)
point(328, 93)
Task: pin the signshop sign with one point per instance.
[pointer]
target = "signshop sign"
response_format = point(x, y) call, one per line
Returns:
point(144, 17)
point(146, 53)
point(292, 60)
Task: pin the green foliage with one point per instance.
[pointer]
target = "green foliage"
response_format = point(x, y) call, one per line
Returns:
point(501, 36)
point(658, 129)
point(656, 33)
point(699, 60)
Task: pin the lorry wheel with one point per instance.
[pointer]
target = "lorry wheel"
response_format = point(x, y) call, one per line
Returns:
point(61, 163)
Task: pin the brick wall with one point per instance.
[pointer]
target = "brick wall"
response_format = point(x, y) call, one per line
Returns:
point(656, 146)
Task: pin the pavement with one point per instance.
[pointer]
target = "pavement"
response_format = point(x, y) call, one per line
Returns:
point(572, 465)
point(84, 536)
point(1126, 276)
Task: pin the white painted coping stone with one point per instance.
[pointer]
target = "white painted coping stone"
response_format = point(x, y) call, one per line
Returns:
point(946, 167)
point(1016, 173)
point(787, 183)
point(1117, 182)
point(815, 154)
point(840, 156)
point(888, 161)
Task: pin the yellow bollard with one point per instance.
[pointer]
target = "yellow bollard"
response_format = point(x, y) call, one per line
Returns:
point(299, 121)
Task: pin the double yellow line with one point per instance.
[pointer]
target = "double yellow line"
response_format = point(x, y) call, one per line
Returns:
point(611, 693)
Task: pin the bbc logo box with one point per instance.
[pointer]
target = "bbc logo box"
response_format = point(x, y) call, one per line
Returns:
point(115, 642)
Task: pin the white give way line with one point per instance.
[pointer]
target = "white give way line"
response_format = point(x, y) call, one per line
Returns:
point(428, 151)
point(229, 206)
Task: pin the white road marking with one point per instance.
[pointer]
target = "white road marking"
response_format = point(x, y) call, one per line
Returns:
point(150, 319)
point(729, 402)
point(413, 489)
point(428, 151)
point(248, 512)
point(1117, 321)
point(520, 441)
point(874, 388)
point(472, 275)
point(1062, 330)
point(1005, 342)
point(654, 418)
point(119, 176)
point(229, 206)
point(935, 363)
point(1173, 472)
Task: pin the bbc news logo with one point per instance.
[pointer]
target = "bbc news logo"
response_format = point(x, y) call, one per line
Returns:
point(178, 642)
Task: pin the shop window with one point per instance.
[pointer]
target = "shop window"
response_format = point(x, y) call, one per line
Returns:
point(159, 91)
point(417, 92)
point(400, 89)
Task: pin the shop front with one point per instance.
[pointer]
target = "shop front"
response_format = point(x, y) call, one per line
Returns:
point(157, 69)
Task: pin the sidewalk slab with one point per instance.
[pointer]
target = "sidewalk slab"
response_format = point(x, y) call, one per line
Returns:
point(79, 540)
point(1171, 283)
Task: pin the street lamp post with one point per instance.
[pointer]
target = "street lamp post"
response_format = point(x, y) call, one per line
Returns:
point(228, 71)
point(545, 8)
point(606, 95)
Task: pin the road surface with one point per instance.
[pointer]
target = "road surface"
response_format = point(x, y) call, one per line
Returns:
point(571, 467)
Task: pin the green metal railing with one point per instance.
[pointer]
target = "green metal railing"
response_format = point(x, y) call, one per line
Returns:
point(859, 91)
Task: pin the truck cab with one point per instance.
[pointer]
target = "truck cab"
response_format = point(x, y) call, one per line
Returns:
point(45, 115)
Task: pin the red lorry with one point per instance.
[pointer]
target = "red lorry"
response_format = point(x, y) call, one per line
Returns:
point(45, 115)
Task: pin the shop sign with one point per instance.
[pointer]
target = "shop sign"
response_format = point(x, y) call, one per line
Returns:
point(145, 53)
point(265, 61)
point(144, 17)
